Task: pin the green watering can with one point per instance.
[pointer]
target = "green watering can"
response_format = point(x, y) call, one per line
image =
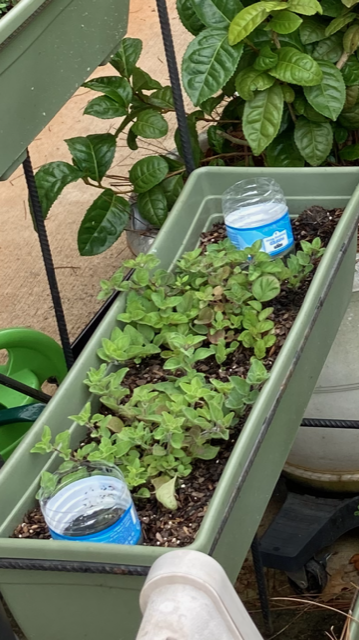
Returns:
point(33, 357)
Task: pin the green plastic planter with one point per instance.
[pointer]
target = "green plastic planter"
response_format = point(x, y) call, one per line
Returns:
point(78, 591)
point(47, 49)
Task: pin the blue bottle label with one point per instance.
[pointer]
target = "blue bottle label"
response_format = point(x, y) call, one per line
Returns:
point(276, 236)
point(127, 530)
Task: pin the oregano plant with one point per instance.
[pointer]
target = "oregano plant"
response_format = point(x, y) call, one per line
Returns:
point(214, 303)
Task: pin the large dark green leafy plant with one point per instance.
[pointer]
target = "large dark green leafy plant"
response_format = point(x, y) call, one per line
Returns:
point(293, 67)
point(275, 82)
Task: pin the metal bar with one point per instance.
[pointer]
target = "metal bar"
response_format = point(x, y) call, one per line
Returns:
point(323, 423)
point(10, 383)
point(261, 586)
point(48, 261)
point(176, 85)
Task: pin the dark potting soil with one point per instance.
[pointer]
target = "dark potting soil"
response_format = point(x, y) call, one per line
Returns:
point(160, 526)
point(6, 6)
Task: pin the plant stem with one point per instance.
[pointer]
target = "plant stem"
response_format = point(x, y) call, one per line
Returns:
point(92, 184)
point(222, 155)
point(342, 60)
point(219, 121)
point(233, 139)
point(249, 43)
point(275, 39)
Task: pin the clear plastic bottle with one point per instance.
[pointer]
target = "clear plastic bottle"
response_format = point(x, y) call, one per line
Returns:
point(91, 503)
point(256, 209)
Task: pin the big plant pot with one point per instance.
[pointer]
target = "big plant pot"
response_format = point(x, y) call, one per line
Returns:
point(327, 458)
point(78, 590)
point(47, 49)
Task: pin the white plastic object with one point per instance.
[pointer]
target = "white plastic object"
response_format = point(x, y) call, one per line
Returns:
point(323, 457)
point(256, 209)
point(187, 596)
point(90, 503)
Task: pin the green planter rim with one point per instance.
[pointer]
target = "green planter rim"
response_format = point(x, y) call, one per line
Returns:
point(58, 556)
point(19, 16)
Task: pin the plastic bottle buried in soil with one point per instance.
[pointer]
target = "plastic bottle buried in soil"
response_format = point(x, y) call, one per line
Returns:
point(97, 507)
point(256, 209)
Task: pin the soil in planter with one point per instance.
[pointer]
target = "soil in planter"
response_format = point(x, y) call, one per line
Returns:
point(6, 6)
point(179, 528)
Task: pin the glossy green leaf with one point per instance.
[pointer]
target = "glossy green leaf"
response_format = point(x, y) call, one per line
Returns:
point(288, 93)
point(329, 49)
point(282, 152)
point(150, 124)
point(193, 134)
point(276, 6)
point(208, 63)
point(285, 22)
point(262, 117)
point(217, 13)
point(266, 59)
point(161, 98)
point(103, 223)
point(314, 140)
point(352, 95)
point(153, 206)
point(350, 72)
point(331, 8)
point(172, 187)
point(249, 80)
point(350, 3)
point(209, 105)
point(291, 39)
point(349, 118)
point(312, 30)
point(259, 38)
point(351, 39)
point(286, 117)
point(114, 87)
point(305, 7)
point(303, 108)
point(246, 21)
point(51, 179)
point(93, 154)
point(142, 81)
point(350, 153)
point(105, 108)
point(189, 17)
point(295, 67)
point(215, 139)
point(340, 134)
point(148, 172)
point(125, 60)
point(338, 23)
point(328, 97)
point(132, 140)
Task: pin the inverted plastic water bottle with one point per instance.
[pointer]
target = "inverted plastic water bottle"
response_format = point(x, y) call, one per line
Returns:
point(91, 503)
point(256, 209)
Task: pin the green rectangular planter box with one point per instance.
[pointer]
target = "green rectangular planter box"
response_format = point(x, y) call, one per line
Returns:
point(47, 49)
point(77, 591)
